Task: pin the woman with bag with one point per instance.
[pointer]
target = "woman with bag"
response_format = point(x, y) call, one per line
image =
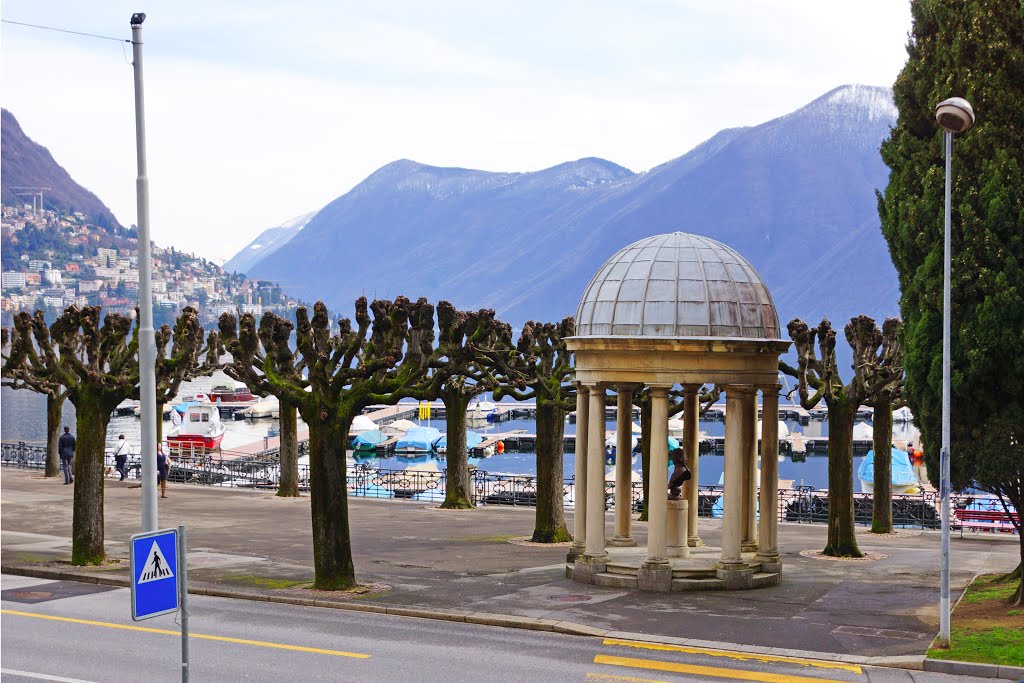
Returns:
point(121, 453)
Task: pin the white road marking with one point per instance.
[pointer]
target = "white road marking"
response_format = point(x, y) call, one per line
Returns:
point(43, 677)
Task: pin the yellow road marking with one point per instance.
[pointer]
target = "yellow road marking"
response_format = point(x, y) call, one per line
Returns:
point(855, 668)
point(697, 670)
point(199, 636)
point(627, 679)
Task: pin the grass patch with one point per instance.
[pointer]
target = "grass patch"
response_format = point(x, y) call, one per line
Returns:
point(984, 627)
point(266, 582)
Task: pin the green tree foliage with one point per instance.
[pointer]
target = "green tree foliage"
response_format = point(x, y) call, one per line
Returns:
point(975, 50)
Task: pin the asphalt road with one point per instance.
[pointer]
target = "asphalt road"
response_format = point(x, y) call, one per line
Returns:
point(65, 631)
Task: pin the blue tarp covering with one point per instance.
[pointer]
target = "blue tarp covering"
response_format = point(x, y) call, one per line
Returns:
point(368, 440)
point(418, 439)
point(472, 439)
point(902, 470)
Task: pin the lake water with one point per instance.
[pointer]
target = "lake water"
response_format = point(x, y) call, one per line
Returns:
point(23, 418)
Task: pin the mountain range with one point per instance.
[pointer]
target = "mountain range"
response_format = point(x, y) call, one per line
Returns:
point(794, 195)
point(28, 167)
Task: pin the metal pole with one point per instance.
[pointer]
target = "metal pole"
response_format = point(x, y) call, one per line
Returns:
point(944, 455)
point(147, 344)
point(183, 599)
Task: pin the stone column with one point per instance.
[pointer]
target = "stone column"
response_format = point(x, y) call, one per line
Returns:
point(732, 508)
point(579, 511)
point(623, 467)
point(656, 573)
point(691, 444)
point(768, 551)
point(595, 552)
point(749, 543)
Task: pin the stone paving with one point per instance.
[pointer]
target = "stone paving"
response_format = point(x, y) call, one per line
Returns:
point(463, 562)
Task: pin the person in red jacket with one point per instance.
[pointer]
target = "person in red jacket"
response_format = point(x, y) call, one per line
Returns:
point(917, 461)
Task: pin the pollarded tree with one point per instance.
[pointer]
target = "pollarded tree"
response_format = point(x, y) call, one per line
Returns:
point(183, 362)
point(545, 370)
point(286, 367)
point(98, 366)
point(973, 50)
point(470, 346)
point(55, 395)
point(884, 384)
point(378, 361)
point(874, 353)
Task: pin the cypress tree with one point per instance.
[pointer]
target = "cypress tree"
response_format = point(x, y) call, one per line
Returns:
point(973, 50)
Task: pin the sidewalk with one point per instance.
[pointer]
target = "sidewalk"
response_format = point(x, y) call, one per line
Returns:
point(460, 563)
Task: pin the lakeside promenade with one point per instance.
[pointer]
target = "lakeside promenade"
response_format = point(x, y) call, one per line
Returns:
point(458, 563)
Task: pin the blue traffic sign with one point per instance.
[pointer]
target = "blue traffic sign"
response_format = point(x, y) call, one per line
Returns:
point(154, 561)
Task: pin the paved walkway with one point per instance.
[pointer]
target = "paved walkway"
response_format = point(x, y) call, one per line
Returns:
point(463, 562)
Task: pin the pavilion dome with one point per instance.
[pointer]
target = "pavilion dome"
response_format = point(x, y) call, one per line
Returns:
point(677, 285)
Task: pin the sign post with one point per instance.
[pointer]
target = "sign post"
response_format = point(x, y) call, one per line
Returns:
point(160, 580)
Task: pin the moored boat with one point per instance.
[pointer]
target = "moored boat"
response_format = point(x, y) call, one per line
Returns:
point(236, 393)
point(903, 478)
point(418, 440)
point(200, 430)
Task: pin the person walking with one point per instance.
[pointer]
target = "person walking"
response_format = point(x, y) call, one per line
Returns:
point(162, 466)
point(66, 449)
point(917, 461)
point(121, 453)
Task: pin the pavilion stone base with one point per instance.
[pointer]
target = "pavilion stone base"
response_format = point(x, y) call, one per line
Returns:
point(624, 568)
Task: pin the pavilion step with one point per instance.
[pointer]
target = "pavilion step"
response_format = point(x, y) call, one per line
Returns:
point(694, 573)
point(704, 584)
point(765, 579)
point(611, 580)
point(620, 569)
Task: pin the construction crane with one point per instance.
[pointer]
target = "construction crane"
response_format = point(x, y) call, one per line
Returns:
point(35, 192)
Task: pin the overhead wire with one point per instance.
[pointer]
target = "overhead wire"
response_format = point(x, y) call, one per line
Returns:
point(64, 30)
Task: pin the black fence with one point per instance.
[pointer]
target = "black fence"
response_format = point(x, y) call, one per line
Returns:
point(803, 504)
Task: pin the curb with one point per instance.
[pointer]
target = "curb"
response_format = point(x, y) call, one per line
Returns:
point(949, 666)
point(911, 662)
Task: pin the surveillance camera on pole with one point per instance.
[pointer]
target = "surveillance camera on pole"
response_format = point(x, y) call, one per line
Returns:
point(954, 115)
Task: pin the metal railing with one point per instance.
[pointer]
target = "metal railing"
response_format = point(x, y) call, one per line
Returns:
point(803, 504)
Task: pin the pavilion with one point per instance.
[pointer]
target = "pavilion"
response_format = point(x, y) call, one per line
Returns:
point(677, 309)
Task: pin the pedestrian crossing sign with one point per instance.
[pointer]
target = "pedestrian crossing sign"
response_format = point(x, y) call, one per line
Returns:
point(154, 566)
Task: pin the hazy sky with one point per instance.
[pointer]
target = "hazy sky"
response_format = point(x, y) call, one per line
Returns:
point(259, 111)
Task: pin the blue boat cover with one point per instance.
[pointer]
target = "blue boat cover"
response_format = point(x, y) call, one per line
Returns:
point(902, 470)
point(472, 439)
point(418, 439)
point(368, 439)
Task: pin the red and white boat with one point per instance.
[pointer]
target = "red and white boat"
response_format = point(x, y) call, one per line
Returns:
point(239, 393)
point(200, 430)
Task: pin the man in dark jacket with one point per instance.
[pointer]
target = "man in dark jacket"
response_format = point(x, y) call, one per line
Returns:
point(66, 449)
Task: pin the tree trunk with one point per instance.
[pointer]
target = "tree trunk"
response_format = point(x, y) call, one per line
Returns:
point(842, 538)
point(87, 523)
point(159, 424)
point(54, 408)
point(288, 482)
point(458, 490)
point(881, 510)
point(645, 452)
point(549, 526)
point(328, 493)
point(1017, 599)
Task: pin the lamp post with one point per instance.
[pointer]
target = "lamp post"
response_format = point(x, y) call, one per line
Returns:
point(954, 115)
point(147, 341)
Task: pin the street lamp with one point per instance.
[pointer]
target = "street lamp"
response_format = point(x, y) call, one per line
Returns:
point(954, 115)
point(147, 341)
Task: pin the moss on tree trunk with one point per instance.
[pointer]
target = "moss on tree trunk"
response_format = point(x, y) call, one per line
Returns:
point(549, 525)
point(645, 452)
point(458, 492)
point(87, 525)
point(288, 483)
point(842, 539)
point(881, 510)
point(54, 408)
point(328, 493)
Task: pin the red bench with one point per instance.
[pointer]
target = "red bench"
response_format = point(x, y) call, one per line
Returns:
point(988, 520)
